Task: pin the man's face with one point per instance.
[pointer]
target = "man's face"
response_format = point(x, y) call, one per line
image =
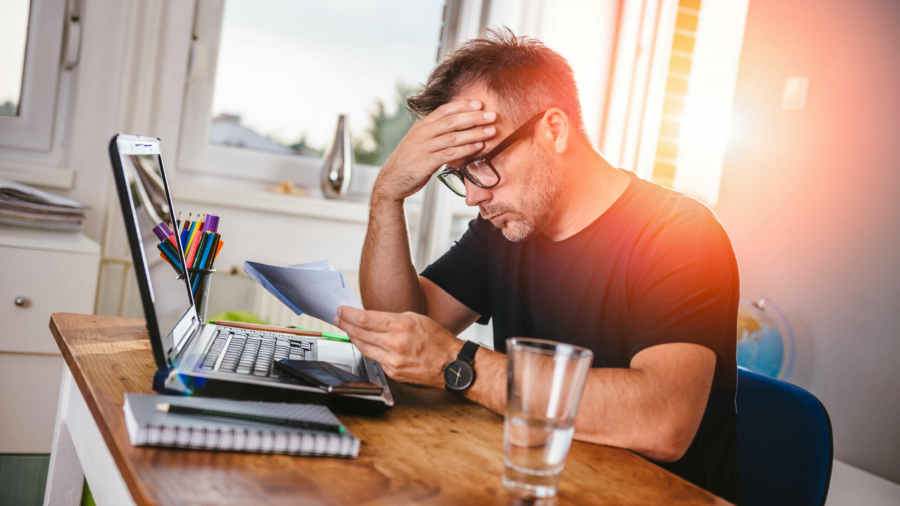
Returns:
point(529, 185)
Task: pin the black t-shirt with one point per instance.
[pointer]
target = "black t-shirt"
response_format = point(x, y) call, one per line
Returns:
point(657, 267)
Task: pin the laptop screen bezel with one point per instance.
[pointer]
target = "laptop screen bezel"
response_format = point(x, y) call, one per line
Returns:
point(165, 348)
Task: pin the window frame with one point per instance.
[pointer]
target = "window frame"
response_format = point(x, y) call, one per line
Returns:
point(195, 153)
point(637, 88)
point(58, 49)
point(32, 129)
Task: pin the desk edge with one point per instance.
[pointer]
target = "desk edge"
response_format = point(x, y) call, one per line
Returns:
point(138, 493)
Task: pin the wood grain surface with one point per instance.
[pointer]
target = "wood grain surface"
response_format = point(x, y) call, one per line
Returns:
point(433, 447)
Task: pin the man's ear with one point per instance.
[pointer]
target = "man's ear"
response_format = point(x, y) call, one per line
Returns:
point(558, 129)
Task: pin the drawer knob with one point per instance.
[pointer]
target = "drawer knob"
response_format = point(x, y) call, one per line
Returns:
point(23, 301)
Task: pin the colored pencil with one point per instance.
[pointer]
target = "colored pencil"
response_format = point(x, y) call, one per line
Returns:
point(196, 250)
point(192, 245)
point(185, 233)
point(172, 251)
point(211, 254)
point(167, 256)
point(205, 244)
point(196, 227)
point(190, 236)
point(201, 248)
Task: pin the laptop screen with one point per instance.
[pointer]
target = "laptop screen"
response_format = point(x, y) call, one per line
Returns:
point(169, 292)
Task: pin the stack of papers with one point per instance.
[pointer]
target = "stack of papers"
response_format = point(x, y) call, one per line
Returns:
point(316, 288)
point(25, 206)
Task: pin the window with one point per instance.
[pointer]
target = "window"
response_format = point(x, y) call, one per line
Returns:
point(703, 127)
point(13, 34)
point(670, 103)
point(284, 71)
point(39, 44)
point(31, 35)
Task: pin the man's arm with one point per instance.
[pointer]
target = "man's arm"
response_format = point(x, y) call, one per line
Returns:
point(654, 408)
point(388, 279)
point(387, 276)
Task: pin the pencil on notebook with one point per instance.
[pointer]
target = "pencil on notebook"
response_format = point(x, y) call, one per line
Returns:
point(287, 422)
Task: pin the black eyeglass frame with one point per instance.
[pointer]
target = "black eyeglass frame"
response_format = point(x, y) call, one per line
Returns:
point(511, 139)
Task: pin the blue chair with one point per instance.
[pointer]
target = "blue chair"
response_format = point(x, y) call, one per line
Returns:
point(785, 445)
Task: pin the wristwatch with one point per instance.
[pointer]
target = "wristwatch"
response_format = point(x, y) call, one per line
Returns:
point(460, 373)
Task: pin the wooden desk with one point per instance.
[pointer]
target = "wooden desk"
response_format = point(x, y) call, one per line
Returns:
point(432, 448)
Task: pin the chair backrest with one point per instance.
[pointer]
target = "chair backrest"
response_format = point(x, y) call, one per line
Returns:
point(785, 446)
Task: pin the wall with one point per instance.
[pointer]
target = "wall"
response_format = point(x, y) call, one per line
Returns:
point(809, 200)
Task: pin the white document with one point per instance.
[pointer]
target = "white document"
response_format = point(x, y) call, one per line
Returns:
point(315, 288)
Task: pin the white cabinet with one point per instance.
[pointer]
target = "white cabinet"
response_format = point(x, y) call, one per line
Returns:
point(41, 273)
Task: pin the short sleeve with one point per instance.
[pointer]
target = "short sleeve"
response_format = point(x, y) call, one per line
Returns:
point(683, 285)
point(462, 271)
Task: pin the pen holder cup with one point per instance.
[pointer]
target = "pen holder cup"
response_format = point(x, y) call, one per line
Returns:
point(200, 280)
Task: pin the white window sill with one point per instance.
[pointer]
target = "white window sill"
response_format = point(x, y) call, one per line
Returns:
point(254, 197)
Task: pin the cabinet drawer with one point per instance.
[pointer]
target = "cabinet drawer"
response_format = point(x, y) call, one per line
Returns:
point(28, 400)
point(52, 282)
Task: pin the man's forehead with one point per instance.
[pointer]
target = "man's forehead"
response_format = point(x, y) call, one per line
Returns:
point(486, 97)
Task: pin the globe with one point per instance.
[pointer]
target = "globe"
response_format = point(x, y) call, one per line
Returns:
point(765, 341)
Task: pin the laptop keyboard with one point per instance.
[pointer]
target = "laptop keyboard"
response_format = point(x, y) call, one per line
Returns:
point(253, 353)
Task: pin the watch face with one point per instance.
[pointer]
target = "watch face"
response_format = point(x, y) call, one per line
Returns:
point(458, 375)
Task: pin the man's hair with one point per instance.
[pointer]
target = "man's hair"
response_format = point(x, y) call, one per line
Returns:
point(524, 75)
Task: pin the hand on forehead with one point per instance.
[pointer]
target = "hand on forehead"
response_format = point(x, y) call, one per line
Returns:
point(489, 104)
point(489, 101)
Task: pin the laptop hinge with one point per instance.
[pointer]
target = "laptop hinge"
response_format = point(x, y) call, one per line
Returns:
point(194, 331)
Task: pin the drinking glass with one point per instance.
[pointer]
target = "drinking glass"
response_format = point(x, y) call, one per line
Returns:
point(544, 388)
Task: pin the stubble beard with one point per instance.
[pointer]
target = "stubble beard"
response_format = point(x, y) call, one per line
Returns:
point(542, 188)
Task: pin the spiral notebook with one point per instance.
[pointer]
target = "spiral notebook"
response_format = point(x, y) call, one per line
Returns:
point(148, 426)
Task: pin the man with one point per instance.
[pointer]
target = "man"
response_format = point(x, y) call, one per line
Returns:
point(566, 248)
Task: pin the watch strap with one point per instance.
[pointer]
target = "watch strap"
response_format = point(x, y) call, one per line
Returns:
point(467, 353)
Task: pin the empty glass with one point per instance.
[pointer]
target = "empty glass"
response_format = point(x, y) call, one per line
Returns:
point(544, 388)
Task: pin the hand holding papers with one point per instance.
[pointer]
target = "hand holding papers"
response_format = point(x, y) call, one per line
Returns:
point(315, 288)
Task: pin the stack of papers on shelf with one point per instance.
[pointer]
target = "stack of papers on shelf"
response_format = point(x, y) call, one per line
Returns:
point(316, 288)
point(25, 206)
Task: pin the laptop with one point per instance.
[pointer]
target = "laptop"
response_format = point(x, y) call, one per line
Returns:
point(204, 359)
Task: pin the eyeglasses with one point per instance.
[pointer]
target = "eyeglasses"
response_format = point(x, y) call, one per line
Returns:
point(480, 171)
